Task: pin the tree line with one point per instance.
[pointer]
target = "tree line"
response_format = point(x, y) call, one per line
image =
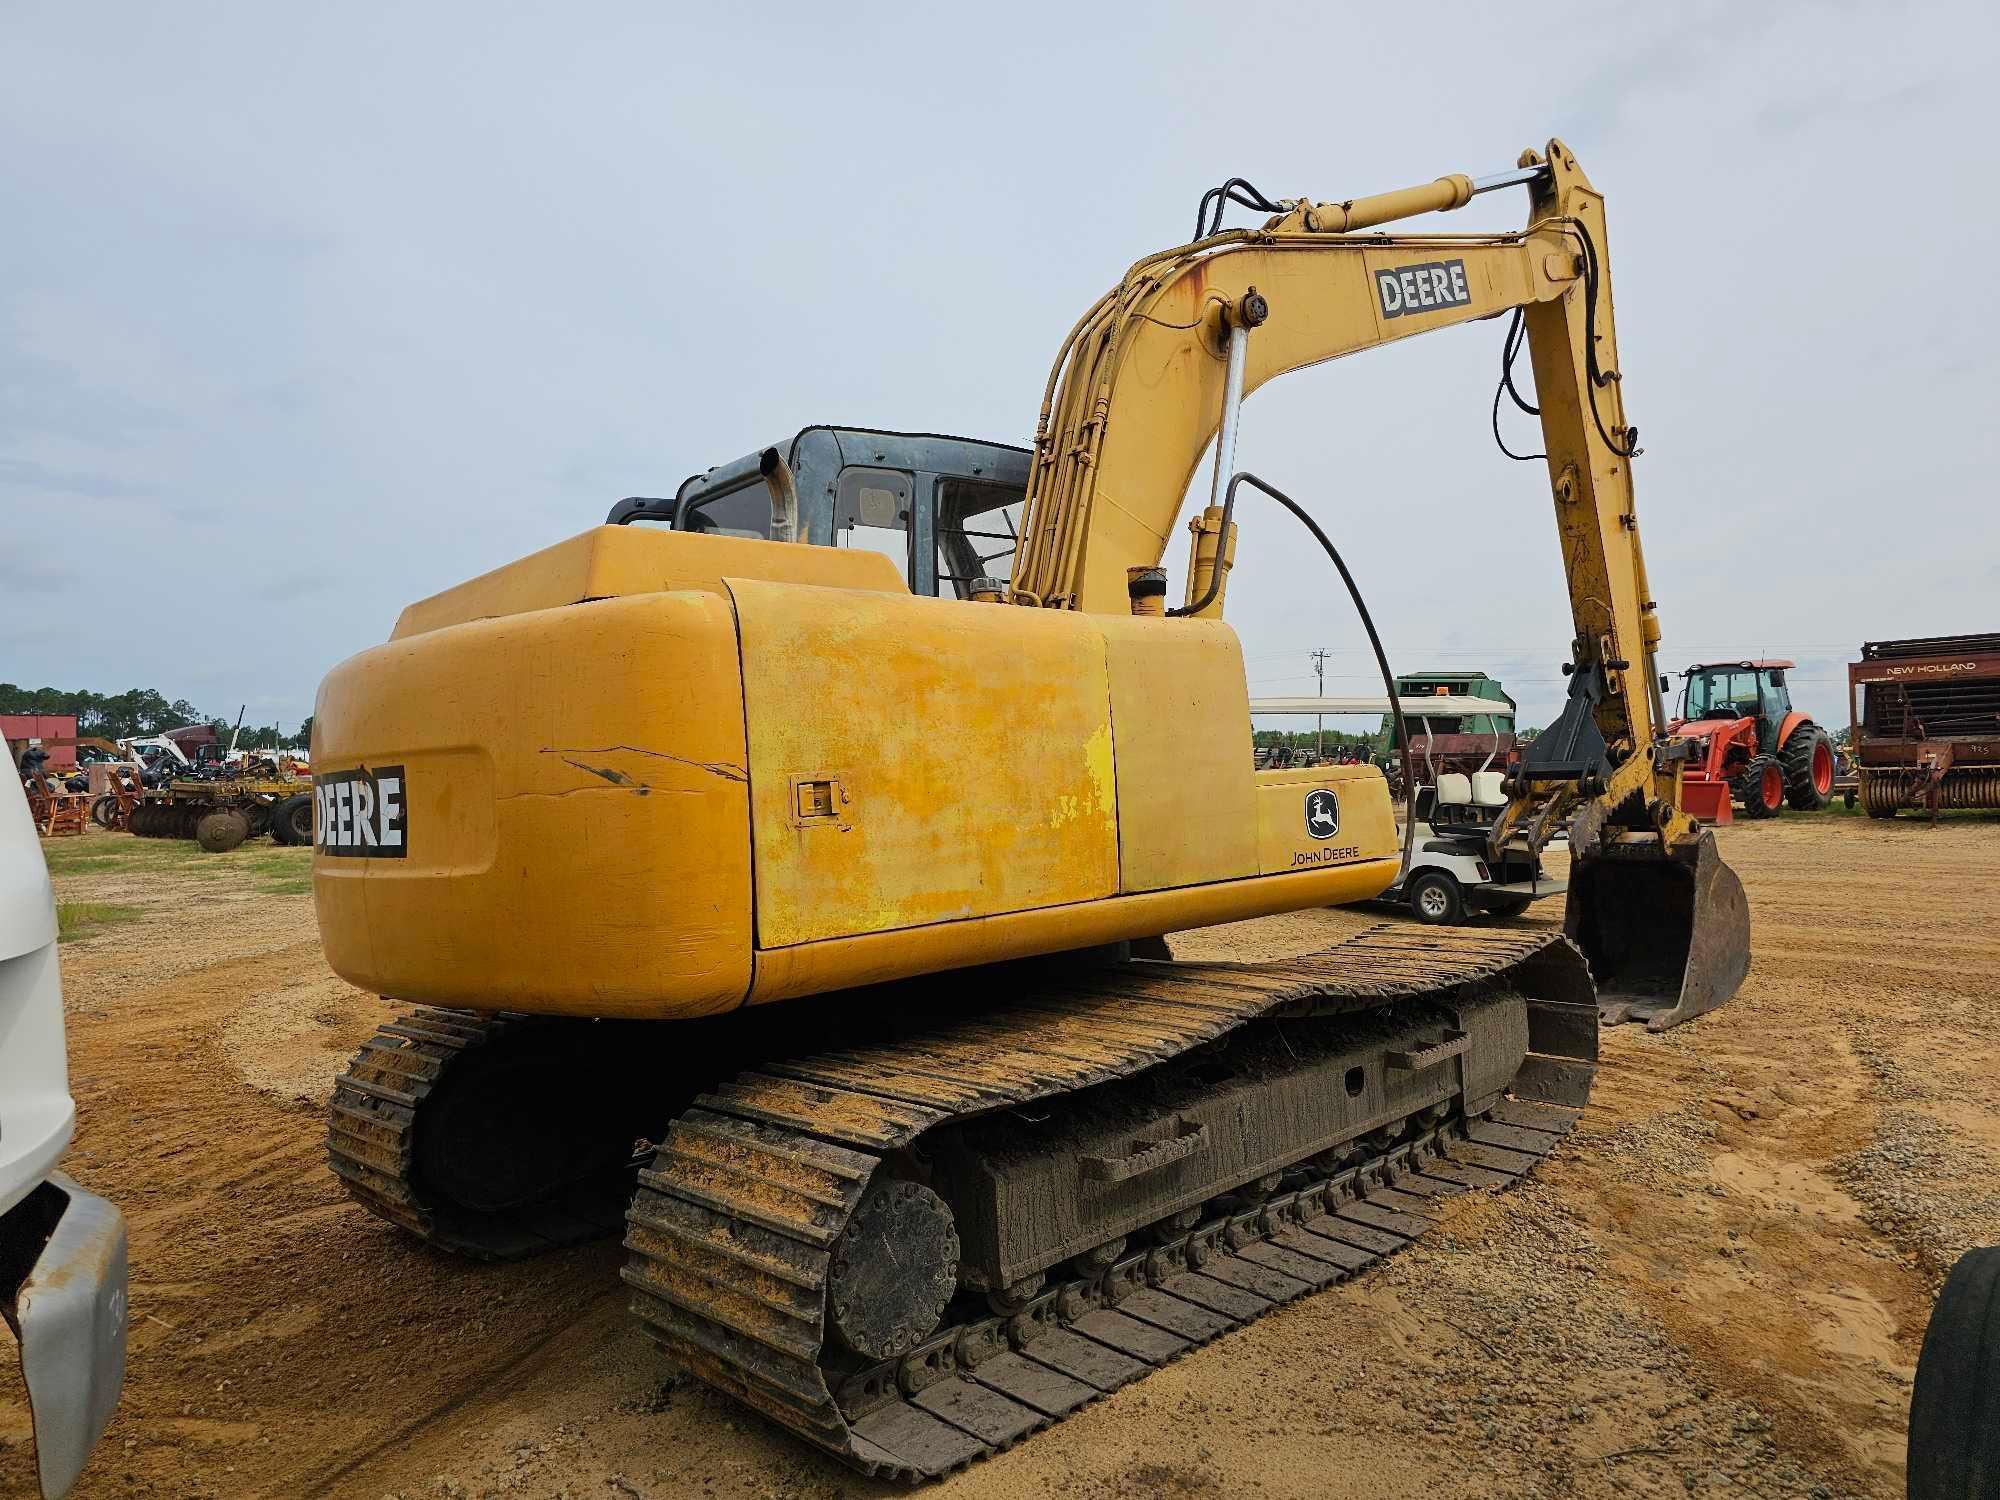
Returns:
point(1307, 739)
point(139, 712)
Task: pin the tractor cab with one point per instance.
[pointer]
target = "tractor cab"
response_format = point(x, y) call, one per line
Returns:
point(946, 509)
point(1754, 747)
point(1740, 690)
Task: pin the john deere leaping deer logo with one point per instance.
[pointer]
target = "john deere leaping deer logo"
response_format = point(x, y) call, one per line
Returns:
point(1322, 813)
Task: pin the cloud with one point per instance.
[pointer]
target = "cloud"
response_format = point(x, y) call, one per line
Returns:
point(23, 573)
point(18, 473)
point(294, 586)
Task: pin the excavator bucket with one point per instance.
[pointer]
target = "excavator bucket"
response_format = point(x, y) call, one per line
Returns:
point(1668, 937)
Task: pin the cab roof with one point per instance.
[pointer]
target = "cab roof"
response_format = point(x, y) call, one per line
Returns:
point(1763, 665)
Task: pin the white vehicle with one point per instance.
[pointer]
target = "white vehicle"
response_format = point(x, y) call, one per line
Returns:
point(159, 744)
point(1449, 877)
point(62, 1250)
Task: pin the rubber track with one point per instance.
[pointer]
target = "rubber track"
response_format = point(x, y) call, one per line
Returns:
point(732, 1228)
point(371, 1136)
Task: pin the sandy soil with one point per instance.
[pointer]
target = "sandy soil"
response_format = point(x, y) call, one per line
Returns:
point(1717, 1288)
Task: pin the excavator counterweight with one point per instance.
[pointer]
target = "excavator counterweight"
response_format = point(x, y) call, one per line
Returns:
point(830, 850)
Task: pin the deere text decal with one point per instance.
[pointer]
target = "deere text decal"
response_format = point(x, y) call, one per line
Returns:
point(1421, 289)
point(361, 814)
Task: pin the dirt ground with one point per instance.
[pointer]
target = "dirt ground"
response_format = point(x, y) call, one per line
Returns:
point(1718, 1287)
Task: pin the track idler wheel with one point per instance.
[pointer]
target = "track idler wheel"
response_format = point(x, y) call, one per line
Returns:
point(894, 1269)
point(1666, 929)
point(222, 830)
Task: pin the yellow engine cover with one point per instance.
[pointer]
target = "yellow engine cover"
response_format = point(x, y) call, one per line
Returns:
point(614, 780)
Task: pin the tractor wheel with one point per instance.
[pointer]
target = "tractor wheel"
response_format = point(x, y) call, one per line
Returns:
point(1760, 787)
point(1436, 899)
point(222, 830)
point(1808, 762)
point(1954, 1447)
point(292, 820)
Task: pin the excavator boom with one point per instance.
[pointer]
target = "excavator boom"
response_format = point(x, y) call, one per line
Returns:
point(1150, 377)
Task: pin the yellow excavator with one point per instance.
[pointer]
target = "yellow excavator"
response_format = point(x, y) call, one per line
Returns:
point(817, 828)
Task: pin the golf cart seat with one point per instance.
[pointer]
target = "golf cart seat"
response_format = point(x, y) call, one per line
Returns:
point(1486, 789)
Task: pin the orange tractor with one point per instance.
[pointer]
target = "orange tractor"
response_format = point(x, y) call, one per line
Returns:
point(1756, 748)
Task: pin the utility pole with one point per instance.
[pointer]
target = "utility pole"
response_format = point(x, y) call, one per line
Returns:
point(1319, 720)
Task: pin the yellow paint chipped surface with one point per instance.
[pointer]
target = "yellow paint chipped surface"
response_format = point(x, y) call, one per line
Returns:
point(967, 748)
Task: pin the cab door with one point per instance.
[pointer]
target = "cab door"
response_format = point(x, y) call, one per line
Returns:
point(1774, 700)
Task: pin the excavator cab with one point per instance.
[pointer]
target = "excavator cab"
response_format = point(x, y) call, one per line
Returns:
point(946, 510)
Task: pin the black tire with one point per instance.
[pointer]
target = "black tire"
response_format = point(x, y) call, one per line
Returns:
point(1508, 906)
point(292, 820)
point(1797, 755)
point(104, 811)
point(1955, 1407)
point(1751, 788)
point(1435, 899)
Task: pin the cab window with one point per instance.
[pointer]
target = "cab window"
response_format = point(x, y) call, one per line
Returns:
point(871, 512)
point(744, 512)
point(1722, 695)
point(978, 532)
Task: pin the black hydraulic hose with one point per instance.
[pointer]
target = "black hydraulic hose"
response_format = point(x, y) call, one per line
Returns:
point(1243, 476)
point(1235, 190)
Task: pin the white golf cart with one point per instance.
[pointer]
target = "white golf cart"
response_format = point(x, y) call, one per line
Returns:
point(1450, 877)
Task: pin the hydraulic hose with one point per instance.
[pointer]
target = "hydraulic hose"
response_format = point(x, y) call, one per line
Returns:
point(1242, 477)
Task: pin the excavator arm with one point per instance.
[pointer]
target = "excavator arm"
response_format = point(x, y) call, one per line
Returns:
point(1155, 370)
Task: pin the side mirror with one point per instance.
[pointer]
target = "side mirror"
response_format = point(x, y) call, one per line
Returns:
point(1664, 689)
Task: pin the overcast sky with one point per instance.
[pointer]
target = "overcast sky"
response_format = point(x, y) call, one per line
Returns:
point(305, 314)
